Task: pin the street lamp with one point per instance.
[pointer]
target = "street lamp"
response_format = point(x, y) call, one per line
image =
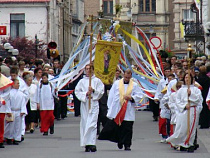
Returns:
point(7, 46)
point(15, 52)
point(10, 49)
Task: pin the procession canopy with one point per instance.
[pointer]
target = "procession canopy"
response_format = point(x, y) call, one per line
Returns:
point(106, 59)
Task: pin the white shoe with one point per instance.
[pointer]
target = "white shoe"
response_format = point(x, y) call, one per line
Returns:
point(163, 141)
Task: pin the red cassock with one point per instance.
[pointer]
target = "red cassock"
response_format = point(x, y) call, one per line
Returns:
point(47, 120)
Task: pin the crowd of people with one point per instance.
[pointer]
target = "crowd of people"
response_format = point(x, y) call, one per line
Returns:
point(28, 100)
point(182, 100)
point(180, 103)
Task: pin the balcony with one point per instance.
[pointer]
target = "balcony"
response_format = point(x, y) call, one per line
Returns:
point(193, 31)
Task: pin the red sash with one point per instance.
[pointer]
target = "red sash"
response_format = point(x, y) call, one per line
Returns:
point(121, 114)
point(188, 139)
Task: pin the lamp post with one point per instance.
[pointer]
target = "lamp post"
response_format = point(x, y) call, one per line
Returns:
point(189, 58)
point(7, 46)
point(36, 45)
point(10, 49)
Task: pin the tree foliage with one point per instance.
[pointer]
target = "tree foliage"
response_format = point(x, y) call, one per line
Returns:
point(27, 48)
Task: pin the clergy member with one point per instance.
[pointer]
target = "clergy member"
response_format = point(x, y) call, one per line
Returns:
point(123, 96)
point(89, 113)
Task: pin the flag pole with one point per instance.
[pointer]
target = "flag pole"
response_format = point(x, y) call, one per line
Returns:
point(189, 56)
point(90, 51)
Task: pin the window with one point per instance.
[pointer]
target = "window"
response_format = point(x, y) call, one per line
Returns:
point(147, 5)
point(188, 15)
point(108, 7)
point(17, 25)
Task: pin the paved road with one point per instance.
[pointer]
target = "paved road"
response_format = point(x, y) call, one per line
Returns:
point(65, 143)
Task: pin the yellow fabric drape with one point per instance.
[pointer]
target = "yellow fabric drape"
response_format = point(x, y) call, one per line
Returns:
point(122, 90)
point(143, 47)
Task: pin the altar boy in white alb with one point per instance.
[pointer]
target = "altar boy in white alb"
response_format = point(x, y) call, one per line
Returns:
point(45, 102)
point(17, 108)
point(89, 115)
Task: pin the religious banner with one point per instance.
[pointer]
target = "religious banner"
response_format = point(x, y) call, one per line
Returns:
point(106, 59)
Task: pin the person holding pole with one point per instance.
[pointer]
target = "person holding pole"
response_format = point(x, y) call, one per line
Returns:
point(89, 94)
point(188, 98)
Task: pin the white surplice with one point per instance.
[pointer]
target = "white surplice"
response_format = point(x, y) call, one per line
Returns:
point(89, 117)
point(173, 107)
point(4, 95)
point(180, 134)
point(23, 88)
point(45, 96)
point(114, 105)
point(32, 98)
point(13, 130)
point(164, 113)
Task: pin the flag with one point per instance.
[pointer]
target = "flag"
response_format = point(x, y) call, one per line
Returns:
point(106, 59)
point(182, 30)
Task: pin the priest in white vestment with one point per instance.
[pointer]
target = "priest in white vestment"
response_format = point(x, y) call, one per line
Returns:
point(89, 113)
point(193, 94)
point(123, 97)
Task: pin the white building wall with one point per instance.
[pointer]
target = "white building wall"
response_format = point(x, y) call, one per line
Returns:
point(35, 20)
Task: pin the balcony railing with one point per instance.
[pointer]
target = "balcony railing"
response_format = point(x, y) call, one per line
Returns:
point(193, 31)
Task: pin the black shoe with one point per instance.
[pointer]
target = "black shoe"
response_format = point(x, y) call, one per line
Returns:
point(87, 148)
point(22, 138)
point(45, 133)
point(52, 129)
point(190, 149)
point(31, 130)
point(58, 119)
point(155, 118)
point(183, 148)
point(2, 145)
point(9, 141)
point(204, 127)
point(119, 145)
point(93, 148)
point(15, 142)
point(127, 148)
point(196, 146)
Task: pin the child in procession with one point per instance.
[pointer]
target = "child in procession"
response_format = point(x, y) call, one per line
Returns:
point(17, 110)
point(45, 104)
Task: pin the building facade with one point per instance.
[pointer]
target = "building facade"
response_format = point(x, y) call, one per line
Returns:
point(50, 20)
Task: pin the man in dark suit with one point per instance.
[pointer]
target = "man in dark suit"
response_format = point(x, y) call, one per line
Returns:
point(56, 67)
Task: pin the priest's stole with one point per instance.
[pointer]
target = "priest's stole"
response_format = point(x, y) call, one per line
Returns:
point(106, 59)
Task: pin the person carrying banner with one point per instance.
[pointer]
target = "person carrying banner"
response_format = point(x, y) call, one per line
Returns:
point(123, 96)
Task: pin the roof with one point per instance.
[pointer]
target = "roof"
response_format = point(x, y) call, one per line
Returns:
point(24, 1)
